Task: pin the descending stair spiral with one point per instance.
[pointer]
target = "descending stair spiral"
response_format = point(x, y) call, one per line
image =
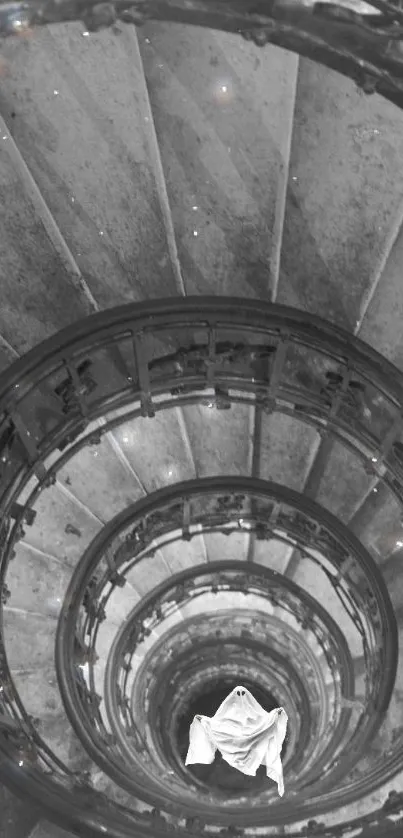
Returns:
point(205, 580)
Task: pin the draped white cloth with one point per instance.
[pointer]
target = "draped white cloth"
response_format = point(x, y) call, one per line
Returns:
point(245, 734)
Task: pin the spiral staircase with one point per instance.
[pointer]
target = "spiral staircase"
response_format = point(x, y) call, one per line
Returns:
point(201, 427)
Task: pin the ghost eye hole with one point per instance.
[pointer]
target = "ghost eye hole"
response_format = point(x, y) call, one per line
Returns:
point(240, 692)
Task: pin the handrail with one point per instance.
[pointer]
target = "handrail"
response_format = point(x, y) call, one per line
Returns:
point(173, 673)
point(269, 579)
point(361, 40)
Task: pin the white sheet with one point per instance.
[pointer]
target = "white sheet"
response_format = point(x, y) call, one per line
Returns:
point(245, 734)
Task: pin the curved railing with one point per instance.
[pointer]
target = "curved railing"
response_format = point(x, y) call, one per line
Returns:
point(209, 662)
point(362, 40)
point(215, 352)
point(190, 509)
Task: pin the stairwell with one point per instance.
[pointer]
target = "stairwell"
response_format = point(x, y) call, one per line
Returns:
point(173, 161)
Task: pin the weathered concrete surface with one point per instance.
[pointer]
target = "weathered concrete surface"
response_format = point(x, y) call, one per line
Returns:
point(137, 169)
point(17, 819)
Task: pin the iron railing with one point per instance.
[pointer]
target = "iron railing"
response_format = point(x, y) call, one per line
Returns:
point(158, 355)
point(361, 40)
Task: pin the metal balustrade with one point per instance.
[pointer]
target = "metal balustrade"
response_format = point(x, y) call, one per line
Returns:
point(218, 503)
point(137, 361)
point(362, 40)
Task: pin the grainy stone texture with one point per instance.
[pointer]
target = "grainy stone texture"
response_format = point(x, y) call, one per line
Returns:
point(134, 169)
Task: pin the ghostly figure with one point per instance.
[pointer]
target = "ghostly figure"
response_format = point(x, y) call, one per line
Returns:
point(245, 735)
